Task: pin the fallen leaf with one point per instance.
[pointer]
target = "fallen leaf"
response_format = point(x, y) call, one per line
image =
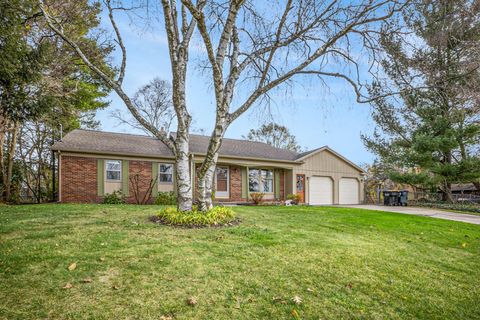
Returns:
point(294, 313)
point(87, 280)
point(464, 245)
point(115, 287)
point(68, 286)
point(101, 259)
point(349, 286)
point(191, 301)
point(297, 300)
point(309, 290)
point(72, 266)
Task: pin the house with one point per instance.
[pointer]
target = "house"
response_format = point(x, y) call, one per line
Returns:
point(94, 163)
point(465, 188)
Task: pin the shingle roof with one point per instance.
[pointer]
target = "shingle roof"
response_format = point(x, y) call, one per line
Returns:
point(109, 142)
point(130, 144)
point(242, 148)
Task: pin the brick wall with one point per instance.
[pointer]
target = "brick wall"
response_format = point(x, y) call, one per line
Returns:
point(236, 184)
point(79, 179)
point(142, 169)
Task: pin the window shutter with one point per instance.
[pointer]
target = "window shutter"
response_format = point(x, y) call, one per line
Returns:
point(244, 183)
point(277, 184)
point(100, 177)
point(125, 177)
point(155, 179)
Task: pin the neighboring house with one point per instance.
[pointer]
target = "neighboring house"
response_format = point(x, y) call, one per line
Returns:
point(94, 163)
point(465, 188)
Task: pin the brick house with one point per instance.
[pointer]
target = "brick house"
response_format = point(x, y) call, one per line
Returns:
point(94, 163)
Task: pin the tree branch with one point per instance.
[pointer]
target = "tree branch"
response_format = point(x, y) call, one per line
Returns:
point(52, 23)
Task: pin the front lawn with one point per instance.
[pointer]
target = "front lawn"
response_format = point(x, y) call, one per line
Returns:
point(340, 262)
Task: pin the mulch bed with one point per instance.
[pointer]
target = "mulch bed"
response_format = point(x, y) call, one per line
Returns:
point(159, 220)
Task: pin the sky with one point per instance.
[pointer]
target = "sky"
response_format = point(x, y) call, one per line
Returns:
point(315, 114)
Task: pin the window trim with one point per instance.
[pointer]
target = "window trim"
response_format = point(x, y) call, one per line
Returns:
point(223, 194)
point(106, 171)
point(260, 180)
point(160, 172)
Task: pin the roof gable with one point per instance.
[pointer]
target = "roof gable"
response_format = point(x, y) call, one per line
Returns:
point(304, 156)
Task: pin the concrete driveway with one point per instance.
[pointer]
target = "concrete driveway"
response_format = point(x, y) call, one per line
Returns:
point(427, 212)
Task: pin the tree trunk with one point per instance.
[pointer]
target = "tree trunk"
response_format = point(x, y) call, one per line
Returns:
point(447, 192)
point(182, 172)
point(207, 170)
point(10, 156)
point(205, 188)
point(3, 125)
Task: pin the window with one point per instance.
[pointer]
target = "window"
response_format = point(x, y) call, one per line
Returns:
point(114, 170)
point(253, 180)
point(221, 182)
point(165, 173)
point(260, 180)
point(267, 179)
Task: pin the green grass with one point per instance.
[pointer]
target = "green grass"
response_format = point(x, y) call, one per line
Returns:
point(342, 262)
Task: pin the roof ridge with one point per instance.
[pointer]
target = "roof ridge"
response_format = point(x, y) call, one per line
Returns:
point(194, 134)
point(244, 140)
point(119, 133)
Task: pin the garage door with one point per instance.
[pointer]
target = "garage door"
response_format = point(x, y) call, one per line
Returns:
point(321, 190)
point(349, 191)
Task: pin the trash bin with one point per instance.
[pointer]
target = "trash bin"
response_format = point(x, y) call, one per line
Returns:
point(386, 198)
point(391, 198)
point(403, 198)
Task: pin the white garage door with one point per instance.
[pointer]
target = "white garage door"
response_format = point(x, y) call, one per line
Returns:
point(349, 191)
point(321, 190)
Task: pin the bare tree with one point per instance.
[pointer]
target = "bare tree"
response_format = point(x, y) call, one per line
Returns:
point(275, 135)
point(251, 48)
point(153, 102)
point(179, 40)
point(260, 46)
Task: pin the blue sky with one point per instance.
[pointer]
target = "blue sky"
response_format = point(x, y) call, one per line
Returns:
point(316, 115)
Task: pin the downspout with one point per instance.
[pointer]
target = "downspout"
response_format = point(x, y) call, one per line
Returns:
point(59, 198)
point(53, 177)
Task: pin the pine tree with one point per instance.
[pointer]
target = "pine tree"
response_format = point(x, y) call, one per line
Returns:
point(429, 133)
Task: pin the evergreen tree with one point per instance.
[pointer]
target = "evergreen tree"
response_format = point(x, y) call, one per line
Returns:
point(429, 133)
point(43, 85)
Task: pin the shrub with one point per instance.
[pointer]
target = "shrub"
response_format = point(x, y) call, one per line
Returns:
point(116, 197)
point(166, 198)
point(473, 208)
point(215, 217)
point(257, 197)
point(294, 197)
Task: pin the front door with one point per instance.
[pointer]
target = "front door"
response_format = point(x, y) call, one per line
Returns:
point(301, 187)
point(222, 180)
